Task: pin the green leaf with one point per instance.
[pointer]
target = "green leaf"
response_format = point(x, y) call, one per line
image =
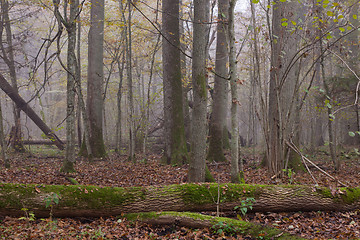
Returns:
point(283, 0)
point(255, 1)
point(330, 13)
point(293, 22)
point(47, 202)
point(342, 29)
point(284, 24)
point(329, 36)
point(351, 134)
point(354, 16)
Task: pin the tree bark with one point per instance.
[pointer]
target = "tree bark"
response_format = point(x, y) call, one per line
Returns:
point(196, 220)
point(199, 81)
point(96, 79)
point(175, 149)
point(235, 176)
point(95, 201)
point(2, 141)
point(20, 103)
point(8, 57)
point(219, 111)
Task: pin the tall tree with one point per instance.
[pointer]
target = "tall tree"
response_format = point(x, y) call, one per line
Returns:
point(199, 81)
point(218, 115)
point(95, 78)
point(235, 176)
point(283, 90)
point(2, 141)
point(8, 57)
point(129, 69)
point(175, 151)
point(72, 73)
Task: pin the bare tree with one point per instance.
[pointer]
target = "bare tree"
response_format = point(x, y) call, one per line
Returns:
point(96, 78)
point(8, 57)
point(199, 81)
point(219, 110)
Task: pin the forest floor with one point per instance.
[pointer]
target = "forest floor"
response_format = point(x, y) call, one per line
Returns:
point(42, 165)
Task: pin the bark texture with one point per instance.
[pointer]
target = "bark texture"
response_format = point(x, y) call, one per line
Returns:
point(94, 201)
point(96, 78)
point(176, 151)
point(199, 81)
point(219, 111)
point(235, 176)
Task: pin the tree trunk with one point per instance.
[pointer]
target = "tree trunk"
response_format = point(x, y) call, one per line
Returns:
point(283, 92)
point(94, 201)
point(8, 57)
point(21, 104)
point(176, 151)
point(199, 81)
point(235, 176)
point(2, 141)
point(119, 96)
point(96, 79)
point(219, 113)
point(72, 67)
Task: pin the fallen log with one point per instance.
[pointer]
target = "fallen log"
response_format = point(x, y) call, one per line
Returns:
point(20, 103)
point(95, 201)
point(196, 220)
point(41, 142)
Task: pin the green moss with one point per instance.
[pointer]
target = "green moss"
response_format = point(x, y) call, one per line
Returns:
point(141, 216)
point(295, 163)
point(205, 193)
point(347, 195)
point(325, 192)
point(352, 195)
point(208, 176)
point(246, 228)
point(71, 196)
point(201, 85)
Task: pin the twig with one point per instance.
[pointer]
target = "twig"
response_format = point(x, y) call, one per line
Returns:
point(302, 156)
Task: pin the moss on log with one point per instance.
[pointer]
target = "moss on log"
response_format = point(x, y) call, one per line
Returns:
point(95, 201)
point(196, 220)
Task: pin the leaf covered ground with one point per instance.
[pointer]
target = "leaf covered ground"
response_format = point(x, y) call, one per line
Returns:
point(42, 167)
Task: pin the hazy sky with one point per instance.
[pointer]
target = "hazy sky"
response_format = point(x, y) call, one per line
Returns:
point(242, 4)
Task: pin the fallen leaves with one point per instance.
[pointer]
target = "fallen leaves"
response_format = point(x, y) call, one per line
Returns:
point(117, 171)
